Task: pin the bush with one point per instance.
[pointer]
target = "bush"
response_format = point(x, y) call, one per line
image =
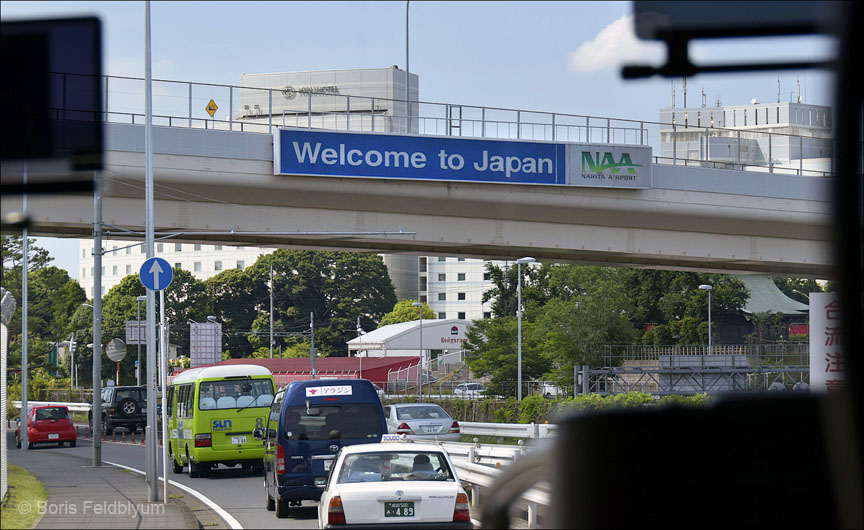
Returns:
point(533, 409)
point(698, 400)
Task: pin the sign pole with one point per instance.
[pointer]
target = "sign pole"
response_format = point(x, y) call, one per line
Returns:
point(163, 372)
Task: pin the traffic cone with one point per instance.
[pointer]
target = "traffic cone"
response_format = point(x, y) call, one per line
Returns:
point(87, 433)
point(160, 441)
point(142, 438)
point(133, 437)
point(114, 436)
point(104, 436)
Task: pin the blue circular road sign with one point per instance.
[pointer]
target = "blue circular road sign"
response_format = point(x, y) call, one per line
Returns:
point(156, 274)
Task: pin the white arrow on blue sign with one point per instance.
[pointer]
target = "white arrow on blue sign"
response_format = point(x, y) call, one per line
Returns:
point(156, 274)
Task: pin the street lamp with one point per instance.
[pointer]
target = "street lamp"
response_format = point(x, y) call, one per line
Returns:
point(420, 371)
point(805, 295)
point(706, 287)
point(519, 263)
point(139, 299)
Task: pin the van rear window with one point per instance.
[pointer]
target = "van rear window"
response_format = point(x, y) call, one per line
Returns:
point(333, 422)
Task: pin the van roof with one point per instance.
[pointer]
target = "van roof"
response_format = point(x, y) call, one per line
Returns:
point(214, 372)
point(361, 388)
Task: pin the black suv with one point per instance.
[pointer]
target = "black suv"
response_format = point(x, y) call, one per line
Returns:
point(122, 406)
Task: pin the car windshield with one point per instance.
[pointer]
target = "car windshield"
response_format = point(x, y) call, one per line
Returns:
point(331, 422)
point(421, 412)
point(235, 393)
point(395, 466)
point(51, 413)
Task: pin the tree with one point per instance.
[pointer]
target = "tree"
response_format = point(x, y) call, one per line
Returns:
point(13, 254)
point(405, 312)
point(335, 287)
point(492, 351)
point(236, 299)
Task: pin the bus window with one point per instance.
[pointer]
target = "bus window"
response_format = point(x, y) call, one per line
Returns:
point(188, 397)
point(170, 401)
point(235, 393)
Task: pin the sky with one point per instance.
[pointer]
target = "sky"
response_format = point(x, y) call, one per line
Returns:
point(561, 57)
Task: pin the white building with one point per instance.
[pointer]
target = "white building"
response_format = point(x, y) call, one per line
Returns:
point(782, 136)
point(125, 258)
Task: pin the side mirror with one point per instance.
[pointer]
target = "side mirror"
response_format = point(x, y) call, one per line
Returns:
point(258, 433)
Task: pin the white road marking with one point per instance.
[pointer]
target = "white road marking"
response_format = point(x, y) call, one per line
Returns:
point(227, 517)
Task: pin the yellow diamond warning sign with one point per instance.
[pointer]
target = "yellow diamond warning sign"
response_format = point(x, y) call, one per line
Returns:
point(211, 108)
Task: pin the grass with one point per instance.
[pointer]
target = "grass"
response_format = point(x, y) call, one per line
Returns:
point(25, 492)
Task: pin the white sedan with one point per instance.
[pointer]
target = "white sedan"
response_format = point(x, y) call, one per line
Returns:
point(402, 484)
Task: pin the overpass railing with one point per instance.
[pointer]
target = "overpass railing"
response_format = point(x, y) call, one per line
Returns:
point(261, 110)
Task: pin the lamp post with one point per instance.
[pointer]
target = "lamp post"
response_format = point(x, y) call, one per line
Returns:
point(420, 371)
point(805, 295)
point(706, 287)
point(519, 263)
point(139, 299)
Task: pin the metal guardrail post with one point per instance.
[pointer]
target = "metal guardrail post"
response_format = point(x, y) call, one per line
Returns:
point(190, 107)
point(483, 122)
point(801, 155)
point(270, 111)
point(347, 113)
point(230, 108)
point(106, 99)
point(309, 111)
point(518, 124)
point(770, 156)
point(739, 150)
point(674, 145)
point(608, 131)
point(641, 133)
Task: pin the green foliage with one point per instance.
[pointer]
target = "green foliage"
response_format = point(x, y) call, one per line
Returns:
point(404, 312)
point(767, 328)
point(696, 400)
point(799, 337)
point(336, 287)
point(38, 381)
point(533, 409)
point(509, 412)
point(802, 285)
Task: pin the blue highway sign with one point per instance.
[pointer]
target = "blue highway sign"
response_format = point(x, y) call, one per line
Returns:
point(156, 274)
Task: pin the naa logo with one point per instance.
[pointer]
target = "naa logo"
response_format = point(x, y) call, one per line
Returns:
point(596, 165)
point(221, 425)
point(454, 330)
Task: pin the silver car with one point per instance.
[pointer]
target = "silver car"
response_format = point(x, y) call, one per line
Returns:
point(421, 421)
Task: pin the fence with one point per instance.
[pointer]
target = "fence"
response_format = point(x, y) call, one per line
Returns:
point(794, 353)
point(251, 109)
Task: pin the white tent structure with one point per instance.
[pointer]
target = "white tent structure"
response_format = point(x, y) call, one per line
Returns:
point(403, 339)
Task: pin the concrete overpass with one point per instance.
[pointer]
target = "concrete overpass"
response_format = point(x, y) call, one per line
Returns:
point(692, 218)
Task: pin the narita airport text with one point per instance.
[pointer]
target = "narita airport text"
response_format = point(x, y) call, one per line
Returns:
point(417, 160)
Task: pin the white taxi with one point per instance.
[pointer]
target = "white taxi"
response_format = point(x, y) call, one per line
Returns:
point(402, 484)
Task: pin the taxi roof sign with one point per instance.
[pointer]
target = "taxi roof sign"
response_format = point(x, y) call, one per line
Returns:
point(211, 108)
point(394, 438)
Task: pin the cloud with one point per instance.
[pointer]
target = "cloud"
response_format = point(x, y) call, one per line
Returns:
point(613, 46)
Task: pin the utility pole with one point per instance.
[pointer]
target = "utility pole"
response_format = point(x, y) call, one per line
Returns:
point(271, 310)
point(312, 338)
point(25, 412)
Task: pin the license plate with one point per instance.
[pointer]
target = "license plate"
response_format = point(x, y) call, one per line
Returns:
point(238, 439)
point(398, 509)
point(320, 481)
point(431, 428)
point(53, 436)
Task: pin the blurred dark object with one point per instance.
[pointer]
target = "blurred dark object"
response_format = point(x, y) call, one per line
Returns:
point(52, 93)
point(677, 23)
point(744, 463)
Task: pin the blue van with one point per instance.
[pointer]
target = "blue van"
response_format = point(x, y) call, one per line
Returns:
point(309, 422)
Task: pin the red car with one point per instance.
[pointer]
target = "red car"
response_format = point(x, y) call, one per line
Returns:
point(48, 424)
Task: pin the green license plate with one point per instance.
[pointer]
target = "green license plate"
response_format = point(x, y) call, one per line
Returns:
point(398, 509)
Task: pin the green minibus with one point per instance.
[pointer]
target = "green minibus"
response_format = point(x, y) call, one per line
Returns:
point(212, 413)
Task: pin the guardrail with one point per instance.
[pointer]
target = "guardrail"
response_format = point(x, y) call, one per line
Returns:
point(73, 407)
point(531, 431)
point(478, 466)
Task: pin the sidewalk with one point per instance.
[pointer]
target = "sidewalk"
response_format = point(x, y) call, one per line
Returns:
point(82, 496)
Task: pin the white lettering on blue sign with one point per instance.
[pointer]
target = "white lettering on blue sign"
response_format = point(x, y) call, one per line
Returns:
point(305, 152)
